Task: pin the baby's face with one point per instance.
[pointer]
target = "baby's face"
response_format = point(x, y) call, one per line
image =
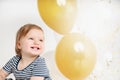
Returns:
point(33, 43)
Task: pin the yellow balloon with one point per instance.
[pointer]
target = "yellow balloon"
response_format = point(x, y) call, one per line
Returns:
point(58, 14)
point(75, 56)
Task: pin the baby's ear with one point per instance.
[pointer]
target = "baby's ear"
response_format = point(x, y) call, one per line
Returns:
point(18, 45)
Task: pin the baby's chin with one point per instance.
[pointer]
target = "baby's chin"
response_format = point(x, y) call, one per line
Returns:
point(34, 54)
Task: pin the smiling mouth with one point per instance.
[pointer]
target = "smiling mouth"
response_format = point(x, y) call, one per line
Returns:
point(35, 48)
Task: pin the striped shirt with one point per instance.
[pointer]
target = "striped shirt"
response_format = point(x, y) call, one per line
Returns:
point(36, 68)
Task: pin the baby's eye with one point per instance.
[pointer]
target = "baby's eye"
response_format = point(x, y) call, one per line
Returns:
point(41, 40)
point(30, 38)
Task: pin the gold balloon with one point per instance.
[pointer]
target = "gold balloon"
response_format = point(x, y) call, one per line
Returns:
point(58, 14)
point(75, 56)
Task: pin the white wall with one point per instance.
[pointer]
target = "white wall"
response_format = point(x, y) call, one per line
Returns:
point(98, 19)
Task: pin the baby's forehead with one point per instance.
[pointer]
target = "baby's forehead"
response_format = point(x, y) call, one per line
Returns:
point(35, 32)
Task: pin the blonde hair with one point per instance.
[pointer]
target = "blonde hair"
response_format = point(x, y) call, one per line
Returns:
point(22, 32)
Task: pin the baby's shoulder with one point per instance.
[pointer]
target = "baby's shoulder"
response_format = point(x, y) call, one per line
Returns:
point(15, 58)
point(39, 60)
